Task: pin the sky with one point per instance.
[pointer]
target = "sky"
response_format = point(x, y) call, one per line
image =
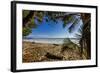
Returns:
point(53, 30)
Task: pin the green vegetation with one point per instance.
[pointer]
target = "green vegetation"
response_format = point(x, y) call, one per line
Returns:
point(26, 31)
point(25, 13)
point(68, 44)
point(28, 24)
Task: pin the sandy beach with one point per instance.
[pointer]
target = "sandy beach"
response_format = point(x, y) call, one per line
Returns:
point(40, 52)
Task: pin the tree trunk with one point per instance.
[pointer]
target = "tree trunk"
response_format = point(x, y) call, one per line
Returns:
point(85, 41)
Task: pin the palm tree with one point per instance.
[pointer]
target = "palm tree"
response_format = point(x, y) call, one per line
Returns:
point(30, 16)
point(85, 41)
point(85, 34)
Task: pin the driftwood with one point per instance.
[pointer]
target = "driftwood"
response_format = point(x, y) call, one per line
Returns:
point(56, 44)
point(51, 56)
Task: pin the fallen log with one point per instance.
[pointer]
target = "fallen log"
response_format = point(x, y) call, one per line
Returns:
point(51, 56)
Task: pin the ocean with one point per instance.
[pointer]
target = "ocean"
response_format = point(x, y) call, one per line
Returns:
point(50, 40)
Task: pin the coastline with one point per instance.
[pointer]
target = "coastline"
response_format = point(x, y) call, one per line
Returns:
point(41, 52)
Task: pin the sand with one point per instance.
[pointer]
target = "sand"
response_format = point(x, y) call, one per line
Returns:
point(41, 52)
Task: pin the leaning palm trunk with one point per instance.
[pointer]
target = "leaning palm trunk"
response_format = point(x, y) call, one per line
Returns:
point(86, 35)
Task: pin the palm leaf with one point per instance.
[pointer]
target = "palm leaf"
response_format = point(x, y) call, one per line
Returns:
point(40, 16)
point(32, 23)
point(26, 31)
point(67, 20)
point(71, 28)
point(25, 13)
point(80, 31)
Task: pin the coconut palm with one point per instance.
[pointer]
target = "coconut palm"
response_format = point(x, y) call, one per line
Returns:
point(30, 16)
point(85, 41)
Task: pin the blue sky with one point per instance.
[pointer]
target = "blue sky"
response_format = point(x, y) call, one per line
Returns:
point(53, 30)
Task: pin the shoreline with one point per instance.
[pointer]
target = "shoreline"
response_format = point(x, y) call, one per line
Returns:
point(41, 52)
point(50, 40)
point(44, 41)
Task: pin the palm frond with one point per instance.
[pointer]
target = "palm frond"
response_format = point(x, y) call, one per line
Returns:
point(80, 32)
point(67, 19)
point(40, 16)
point(71, 28)
point(25, 13)
point(80, 29)
point(78, 35)
point(32, 23)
